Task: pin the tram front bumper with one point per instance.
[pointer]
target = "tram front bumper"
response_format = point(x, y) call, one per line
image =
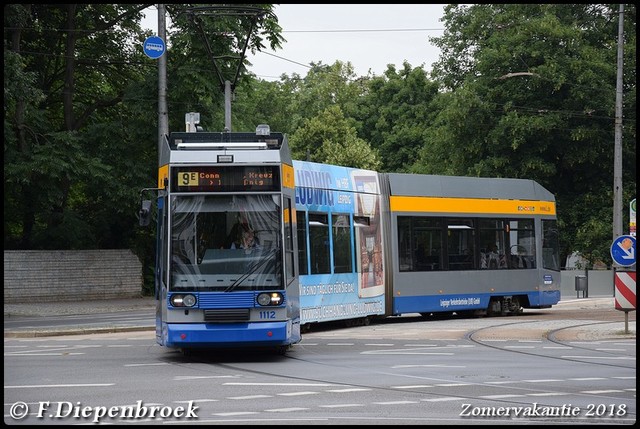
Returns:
point(226, 335)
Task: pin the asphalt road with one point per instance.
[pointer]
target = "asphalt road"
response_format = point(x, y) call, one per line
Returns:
point(572, 360)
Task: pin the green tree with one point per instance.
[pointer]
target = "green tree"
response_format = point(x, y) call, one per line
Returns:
point(530, 93)
point(80, 113)
point(206, 49)
point(263, 102)
point(394, 115)
point(80, 117)
point(73, 55)
point(325, 86)
point(331, 138)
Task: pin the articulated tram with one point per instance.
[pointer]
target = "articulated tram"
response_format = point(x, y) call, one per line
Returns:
point(253, 246)
point(386, 244)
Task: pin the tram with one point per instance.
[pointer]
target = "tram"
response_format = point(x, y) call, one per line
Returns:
point(254, 247)
point(376, 245)
point(225, 261)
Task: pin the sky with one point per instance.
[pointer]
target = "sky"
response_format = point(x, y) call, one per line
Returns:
point(367, 36)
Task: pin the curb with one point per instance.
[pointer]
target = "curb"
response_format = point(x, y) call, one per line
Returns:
point(77, 331)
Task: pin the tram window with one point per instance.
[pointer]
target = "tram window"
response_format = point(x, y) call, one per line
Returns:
point(210, 227)
point(420, 243)
point(522, 244)
point(428, 250)
point(183, 239)
point(493, 244)
point(550, 246)
point(301, 221)
point(164, 247)
point(341, 243)
point(288, 239)
point(461, 244)
point(319, 243)
point(427, 254)
point(404, 244)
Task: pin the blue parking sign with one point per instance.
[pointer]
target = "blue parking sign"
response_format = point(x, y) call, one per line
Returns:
point(623, 250)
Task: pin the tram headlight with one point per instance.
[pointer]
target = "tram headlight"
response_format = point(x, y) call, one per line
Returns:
point(271, 298)
point(189, 300)
point(179, 300)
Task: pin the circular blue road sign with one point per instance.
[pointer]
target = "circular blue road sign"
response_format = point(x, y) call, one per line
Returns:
point(154, 47)
point(623, 250)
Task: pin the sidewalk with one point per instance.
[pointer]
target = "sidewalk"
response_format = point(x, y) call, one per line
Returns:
point(67, 308)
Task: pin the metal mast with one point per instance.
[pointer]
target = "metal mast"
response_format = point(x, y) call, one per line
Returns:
point(248, 16)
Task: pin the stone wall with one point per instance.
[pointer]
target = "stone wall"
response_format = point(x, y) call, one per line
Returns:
point(78, 275)
point(71, 275)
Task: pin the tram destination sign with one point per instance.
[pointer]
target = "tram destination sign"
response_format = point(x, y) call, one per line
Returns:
point(226, 178)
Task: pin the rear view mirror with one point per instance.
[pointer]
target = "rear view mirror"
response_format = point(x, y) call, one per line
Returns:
point(145, 213)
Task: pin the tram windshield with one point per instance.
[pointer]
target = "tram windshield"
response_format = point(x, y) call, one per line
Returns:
point(225, 243)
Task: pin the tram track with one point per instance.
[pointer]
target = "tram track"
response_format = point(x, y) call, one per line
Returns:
point(485, 337)
point(437, 390)
point(552, 332)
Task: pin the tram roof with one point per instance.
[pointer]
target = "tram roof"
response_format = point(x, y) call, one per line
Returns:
point(467, 187)
point(273, 140)
point(203, 147)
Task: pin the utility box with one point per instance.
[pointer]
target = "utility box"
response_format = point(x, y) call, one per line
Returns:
point(582, 285)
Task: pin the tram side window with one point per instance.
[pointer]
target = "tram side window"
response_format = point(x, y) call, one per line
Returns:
point(288, 239)
point(164, 249)
point(427, 233)
point(342, 250)
point(301, 221)
point(319, 243)
point(523, 244)
point(405, 244)
point(420, 243)
point(461, 244)
point(493, 244)
point(550, 245)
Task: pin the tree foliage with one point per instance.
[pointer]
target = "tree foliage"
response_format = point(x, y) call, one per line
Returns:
point(74, 64)
point(519, 90)
point(330, 138)
point(395, 113)
point(81, 118)
point(531, 94)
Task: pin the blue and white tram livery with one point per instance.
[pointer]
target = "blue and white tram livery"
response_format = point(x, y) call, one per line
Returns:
point(385, 244)
point(225, 268)
point(340, 243)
